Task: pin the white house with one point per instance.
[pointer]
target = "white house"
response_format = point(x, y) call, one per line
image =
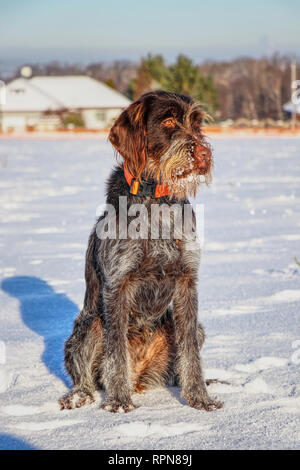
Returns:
point(288, 107)
point(39, 103)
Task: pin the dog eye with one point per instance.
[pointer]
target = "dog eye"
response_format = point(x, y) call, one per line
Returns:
point(169, 122)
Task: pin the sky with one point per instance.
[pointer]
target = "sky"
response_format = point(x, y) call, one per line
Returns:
point(89, 30)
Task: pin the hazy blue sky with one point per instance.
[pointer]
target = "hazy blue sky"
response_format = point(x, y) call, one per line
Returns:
point(84, 30)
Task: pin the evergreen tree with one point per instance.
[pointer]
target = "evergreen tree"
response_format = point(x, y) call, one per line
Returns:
point(157, 68)
point(143, 81)
point(184, 78)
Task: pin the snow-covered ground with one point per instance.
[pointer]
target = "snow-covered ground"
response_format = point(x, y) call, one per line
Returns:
point(249, 300)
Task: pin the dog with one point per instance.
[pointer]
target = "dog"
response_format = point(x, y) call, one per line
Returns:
point(138, 328)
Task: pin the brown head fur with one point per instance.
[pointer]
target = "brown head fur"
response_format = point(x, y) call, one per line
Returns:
point(160, 136)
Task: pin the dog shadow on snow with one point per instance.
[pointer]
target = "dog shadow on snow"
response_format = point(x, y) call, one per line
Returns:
point(47, 313)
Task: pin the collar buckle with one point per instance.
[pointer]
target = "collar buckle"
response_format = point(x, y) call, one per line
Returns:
point(142, 188)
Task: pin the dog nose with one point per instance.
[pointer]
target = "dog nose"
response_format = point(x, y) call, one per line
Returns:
point(202, 156)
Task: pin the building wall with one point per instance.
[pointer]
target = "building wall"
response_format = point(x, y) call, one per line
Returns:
point(12, 122)
point(100, 118)
point(23, 121)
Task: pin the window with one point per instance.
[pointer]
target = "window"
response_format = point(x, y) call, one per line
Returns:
point(17, 91)
point(101, 115)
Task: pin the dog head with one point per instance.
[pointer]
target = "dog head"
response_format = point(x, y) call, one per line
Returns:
point(160, 136)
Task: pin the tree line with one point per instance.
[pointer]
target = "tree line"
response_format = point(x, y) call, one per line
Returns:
point(249, 88)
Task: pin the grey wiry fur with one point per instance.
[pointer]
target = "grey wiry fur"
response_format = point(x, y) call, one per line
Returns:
point(145, 277)
point(138, 327)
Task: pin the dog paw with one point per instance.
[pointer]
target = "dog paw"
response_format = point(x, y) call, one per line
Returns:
point(216, 381)
point(202, 402)
point(118, 407)
point(207, 405)
point(75, 399)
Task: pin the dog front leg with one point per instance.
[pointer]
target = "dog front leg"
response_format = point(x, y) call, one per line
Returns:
point(185, 307)
point(116, 363)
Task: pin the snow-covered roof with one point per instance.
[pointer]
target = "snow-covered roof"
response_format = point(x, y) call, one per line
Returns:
point(21, 95)
point(52, 93)
point(288, 107)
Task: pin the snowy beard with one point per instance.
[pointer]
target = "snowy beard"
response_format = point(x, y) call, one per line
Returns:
point(179, 170)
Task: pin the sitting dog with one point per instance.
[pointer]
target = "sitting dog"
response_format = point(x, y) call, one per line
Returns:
point(138, 327)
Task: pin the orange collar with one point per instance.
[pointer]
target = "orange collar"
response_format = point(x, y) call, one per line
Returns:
point(144, 187)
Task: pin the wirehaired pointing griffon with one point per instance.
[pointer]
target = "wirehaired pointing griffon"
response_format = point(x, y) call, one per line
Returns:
point(138, 328)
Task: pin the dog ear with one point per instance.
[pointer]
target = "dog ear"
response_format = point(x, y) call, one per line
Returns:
point(128, 136)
